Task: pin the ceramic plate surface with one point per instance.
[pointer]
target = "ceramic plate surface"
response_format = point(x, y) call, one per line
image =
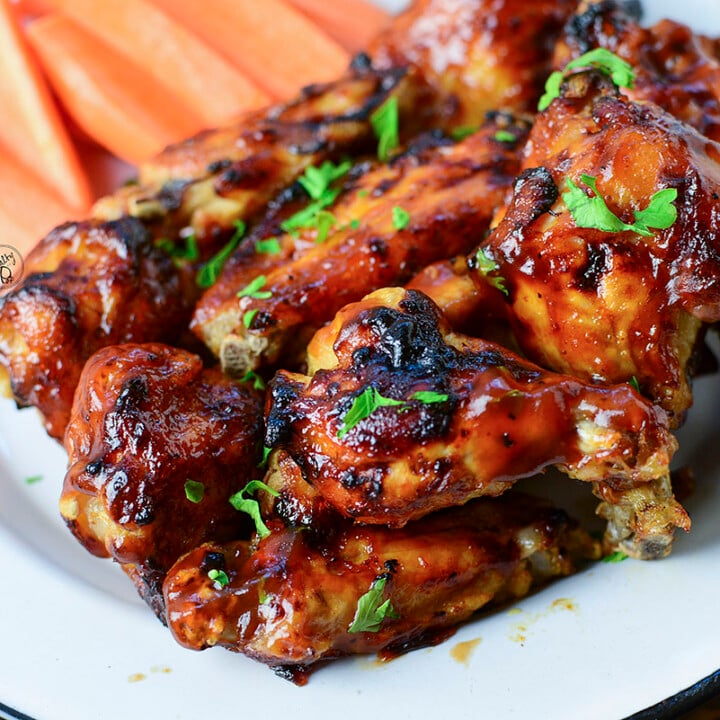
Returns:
point(77, 644)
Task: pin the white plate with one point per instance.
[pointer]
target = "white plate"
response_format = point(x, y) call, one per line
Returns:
point(77, 644)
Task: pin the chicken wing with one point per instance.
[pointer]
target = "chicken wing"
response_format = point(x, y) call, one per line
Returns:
point(400, 417)
point(612, 305)
point(293, 598)
point(148, 420)
point(398, 218)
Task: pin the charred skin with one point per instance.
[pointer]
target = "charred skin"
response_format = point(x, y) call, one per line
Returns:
point(477, 55)
point(292, 597)
point(604, 306)
point(146, 419)
point(675, 68)
point(87, 285)
point(499, 418)
point(449, 192)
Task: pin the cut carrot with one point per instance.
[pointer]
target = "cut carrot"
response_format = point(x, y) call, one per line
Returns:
point(110, 97)
point(170, 54)
point(28, 209)
point(31, 125)
point(353, 23)
point(274, 44)
point(33, 8)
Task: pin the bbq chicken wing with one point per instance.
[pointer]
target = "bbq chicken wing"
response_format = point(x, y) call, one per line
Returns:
point(87, 285)
point(446, 196)
point(400, 417)
point(610, 305)
point(148, 419)
point(292, 598)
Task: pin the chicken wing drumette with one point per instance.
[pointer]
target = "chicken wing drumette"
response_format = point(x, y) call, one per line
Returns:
point(292, 598)
point(148, 420)
point(399, 417)
point(589, 297)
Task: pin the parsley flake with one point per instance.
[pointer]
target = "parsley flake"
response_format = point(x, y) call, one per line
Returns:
point(463, 131)
point(371, 610)
point(400, 218)
point(592, 211)
point(249, 316)
point(385, 123)
point(615, 557)
point(210, 272)
point(363, 407)
point(241, 502)
point(219, 577)
point(266, 454)
point(634, 384)
point(504, 136)
point(269, 246)
point(189, 252)
point(619, 71)
point(307, 217)
point(429, 396)
point(486, 265)
point(254, 289)
point(194, 491)
point(33, 479)
point(254, 378)
point(325, 221)
point(316, 181)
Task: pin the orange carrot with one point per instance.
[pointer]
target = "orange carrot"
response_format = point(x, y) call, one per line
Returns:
point(28, 209)
point(353, 23)
point(274, 44)
point(170, 54)
point(110, 97)
point(31, 126)
point(33, 8)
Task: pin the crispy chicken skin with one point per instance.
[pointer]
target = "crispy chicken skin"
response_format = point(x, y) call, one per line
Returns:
point(674, 67)
point(146, 419)
point(612, 306)
point(292, 597)
point(476, 55)
point(496, 418)
point(449, 193)
point(87, 285)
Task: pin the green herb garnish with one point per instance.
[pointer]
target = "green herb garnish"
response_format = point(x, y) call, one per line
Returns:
point(269, 246)
point(307, 217)
point(400, 218)
point(317, 180)
point(363, 407)
point(354, 224)
point(189, 252)
point(254, 378)
point(615, 557)
point(487, 265)
point(385, 123)
point(33, 479)
point(240, 501)
point(254, 289)
point(619, 71)
point(371, 609)
point(635, 384)
point(266, 454)
point(429, 396)
point(210, 271)
point(194, 491)
point(249, 316)
point(504, 136)
point(219, 577)
point(592, 211)
point(324, 221)
point(463, 131)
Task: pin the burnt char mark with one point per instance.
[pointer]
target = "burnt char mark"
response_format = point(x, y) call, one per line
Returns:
point(588, 277)
point(585, 30)
point(133, 394)
point(172, 193)
point(361, 63)
point(296, 674)
point(424, 143)
point(538, 191)
point(132, 233)
point(149, 584)
point(282, 394)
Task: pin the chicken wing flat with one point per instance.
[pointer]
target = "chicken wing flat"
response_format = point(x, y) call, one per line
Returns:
point(292, 599)
point(87, 285)
point(611, 302)
point(400, 417)
point(675, 68)
point(147, 421)
point(476, 55)
point(447, 196)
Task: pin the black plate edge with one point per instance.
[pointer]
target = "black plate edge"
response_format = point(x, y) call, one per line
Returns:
point(682, 702)
point(7, 713)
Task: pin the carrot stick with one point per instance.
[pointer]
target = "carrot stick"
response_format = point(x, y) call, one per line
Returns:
point(110, 97)
point(353, 23)
point(274, 44)
point(28, 209)
point(32, 8)
point(170, 54)
point(31, 126)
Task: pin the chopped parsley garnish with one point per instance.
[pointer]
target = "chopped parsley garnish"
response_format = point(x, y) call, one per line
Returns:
point(240, 501)
point(254, 289)
point(33, 479)
point(266, 454)
point(189, 252)
point(370, 400)
point(307, 217)
point(219, 577)
point(592, 211)
point(487, 265)
point(249, 316)
point(254, 378)
point(504, 136)
point(194, 491)
point(371, 609)
point(463, 131)
point(615, 557)
point(269, 246)
point(210, 272)
point(385, 123)
point(619, 71)
point(635, 384)
point(324, 221)
point(354, 224)
point(400, 218)
point(316, 181)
